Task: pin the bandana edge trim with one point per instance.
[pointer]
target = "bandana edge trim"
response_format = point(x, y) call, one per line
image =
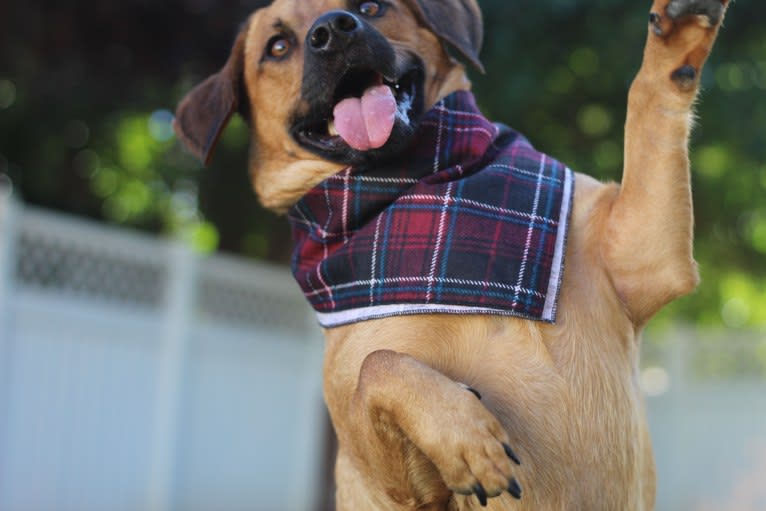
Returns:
point(346, 317)
point(557, 266)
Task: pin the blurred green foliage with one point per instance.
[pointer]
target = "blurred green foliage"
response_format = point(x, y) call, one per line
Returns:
point(86, 93)
point(564, 71)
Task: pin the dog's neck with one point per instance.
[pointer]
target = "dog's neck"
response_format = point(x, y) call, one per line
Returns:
point(448, 80)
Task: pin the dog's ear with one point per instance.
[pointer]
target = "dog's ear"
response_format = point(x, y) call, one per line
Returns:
point(457, 22)
point(206, 110)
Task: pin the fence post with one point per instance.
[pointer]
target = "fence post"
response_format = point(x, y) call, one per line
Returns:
point(677, 354)
point(178, 307)
point(677, 361)
point(9, 228)
point(8, 233)
point(312, 431)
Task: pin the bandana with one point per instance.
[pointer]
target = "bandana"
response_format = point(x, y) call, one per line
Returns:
point(473, 221)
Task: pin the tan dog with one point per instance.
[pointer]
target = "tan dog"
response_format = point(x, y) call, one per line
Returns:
point(565, 396)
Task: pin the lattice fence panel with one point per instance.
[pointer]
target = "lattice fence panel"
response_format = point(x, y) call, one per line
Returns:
point(88, 261)
point(267, 298)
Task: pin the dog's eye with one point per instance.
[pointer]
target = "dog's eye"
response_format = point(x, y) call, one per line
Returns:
point(371, 9)
point(278, 47)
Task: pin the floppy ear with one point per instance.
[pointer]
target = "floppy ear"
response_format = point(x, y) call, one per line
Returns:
point(205, 111)
point(457, 22)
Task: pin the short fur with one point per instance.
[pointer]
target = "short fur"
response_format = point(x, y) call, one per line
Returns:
point(565, 396)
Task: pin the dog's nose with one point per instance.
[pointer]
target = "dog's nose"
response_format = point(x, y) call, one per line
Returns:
point(333, 31)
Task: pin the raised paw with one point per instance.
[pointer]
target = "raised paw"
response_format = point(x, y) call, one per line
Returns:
point(685, 31)
point(708, 13)
point(472, 453)
point(711, 10)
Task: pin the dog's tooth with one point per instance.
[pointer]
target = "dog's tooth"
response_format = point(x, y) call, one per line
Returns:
point(331, 128)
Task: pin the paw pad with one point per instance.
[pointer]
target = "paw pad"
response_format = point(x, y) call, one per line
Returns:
point(685, 76)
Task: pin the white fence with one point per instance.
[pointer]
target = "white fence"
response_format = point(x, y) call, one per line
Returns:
point(136, 376)
point(708, 420)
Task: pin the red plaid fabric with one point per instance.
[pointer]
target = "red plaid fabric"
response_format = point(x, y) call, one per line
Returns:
point(472, 220)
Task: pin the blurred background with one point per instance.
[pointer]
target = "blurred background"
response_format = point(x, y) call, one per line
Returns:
point(154, 352)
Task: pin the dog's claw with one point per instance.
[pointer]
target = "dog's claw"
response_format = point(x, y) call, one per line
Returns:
point(481, 494)
point(515, 489)
point(474, 392)
point(655, 20)
point(471, 390)
point(509, 452)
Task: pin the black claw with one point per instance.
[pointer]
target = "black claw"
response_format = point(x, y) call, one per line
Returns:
point(514, 489)
point(654, 21)
point(481, 494)
point(509, 452)
point(474, 392)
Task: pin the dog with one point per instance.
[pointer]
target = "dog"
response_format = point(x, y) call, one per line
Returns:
point(436, 409)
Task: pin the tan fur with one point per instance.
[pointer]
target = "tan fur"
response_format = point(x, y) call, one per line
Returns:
point(564, 396)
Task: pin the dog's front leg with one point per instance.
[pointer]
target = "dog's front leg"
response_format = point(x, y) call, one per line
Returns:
point(423, 436)
point(648, 236)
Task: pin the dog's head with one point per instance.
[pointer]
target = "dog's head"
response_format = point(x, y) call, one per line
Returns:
point(329, 83)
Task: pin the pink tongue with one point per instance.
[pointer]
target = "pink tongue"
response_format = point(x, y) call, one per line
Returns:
point(366, 123)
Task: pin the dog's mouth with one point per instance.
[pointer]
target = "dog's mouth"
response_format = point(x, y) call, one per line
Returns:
point(369, 115)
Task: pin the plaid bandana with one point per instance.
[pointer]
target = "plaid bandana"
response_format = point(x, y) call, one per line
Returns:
point(472, 221)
